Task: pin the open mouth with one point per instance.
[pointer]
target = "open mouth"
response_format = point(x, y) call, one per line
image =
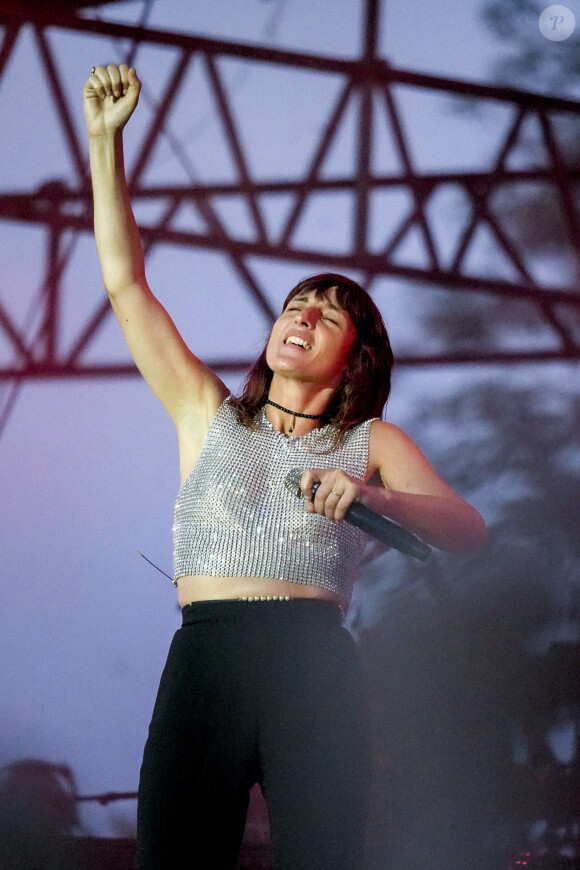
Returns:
point(294, 339)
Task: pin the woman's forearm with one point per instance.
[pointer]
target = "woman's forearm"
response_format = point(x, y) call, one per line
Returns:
point(446, 523)
point(116, 233)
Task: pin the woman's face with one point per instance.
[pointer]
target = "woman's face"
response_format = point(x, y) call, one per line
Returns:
point(311, 339)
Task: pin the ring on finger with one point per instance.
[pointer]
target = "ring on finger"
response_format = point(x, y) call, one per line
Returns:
point(337, 494)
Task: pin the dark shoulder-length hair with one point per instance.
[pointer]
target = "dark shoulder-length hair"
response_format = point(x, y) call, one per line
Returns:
point(366, 381)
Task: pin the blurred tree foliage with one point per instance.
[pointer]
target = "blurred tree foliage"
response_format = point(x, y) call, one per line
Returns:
point(534, 63)
point(457, 657)
point(529, 60)
point(473, 662)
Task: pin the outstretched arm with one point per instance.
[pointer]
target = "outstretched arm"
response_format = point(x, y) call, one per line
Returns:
point(180, 380)
point(110, 97)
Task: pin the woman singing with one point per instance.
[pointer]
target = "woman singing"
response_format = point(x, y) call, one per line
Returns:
point(261, 682)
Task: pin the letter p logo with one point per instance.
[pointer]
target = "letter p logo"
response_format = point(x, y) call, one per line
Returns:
point(557, 23)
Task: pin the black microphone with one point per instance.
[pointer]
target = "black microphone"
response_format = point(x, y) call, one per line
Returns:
point(359, 515)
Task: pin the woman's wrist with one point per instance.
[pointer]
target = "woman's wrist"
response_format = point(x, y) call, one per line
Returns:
point(106, 136)
point(376, 498)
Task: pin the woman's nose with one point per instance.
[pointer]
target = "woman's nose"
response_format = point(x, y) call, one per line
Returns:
point(308, 316)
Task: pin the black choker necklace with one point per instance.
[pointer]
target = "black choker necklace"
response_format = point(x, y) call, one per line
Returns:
point(294, 414)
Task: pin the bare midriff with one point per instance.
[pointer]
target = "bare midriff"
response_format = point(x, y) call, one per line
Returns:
point(208, 588)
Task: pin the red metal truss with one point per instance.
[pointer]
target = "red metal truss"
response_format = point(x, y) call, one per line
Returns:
point(369, 92)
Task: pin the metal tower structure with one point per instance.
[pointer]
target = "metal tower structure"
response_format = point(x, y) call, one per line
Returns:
point(367, 94)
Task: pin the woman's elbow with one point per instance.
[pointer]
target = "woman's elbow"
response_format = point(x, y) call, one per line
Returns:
point(473, 535)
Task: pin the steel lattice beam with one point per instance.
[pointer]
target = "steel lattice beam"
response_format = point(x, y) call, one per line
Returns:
point(369, 87)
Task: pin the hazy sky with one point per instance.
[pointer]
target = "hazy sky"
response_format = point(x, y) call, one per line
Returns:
point(88, 470)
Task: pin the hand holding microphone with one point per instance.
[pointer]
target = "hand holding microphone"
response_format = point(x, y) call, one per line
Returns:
point(368, 521)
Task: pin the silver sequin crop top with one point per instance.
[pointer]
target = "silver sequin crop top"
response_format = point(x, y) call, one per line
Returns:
point(234, 516)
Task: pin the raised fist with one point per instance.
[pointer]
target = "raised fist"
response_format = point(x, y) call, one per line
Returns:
point(110, 96)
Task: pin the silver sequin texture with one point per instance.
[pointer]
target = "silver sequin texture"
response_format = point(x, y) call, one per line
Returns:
point(234, 517)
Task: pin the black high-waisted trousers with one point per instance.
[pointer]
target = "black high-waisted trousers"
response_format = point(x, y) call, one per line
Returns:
point(266, 692)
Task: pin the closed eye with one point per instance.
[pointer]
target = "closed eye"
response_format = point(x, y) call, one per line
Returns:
point(323, 316)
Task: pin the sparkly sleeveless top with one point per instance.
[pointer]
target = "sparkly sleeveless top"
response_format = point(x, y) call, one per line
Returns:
point(234, 516)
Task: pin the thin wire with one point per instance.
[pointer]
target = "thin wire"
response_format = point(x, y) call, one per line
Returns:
point(143, 21)
point(157, 568)
point(270, 31)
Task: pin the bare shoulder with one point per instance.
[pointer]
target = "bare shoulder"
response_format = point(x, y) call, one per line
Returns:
point(387, 438)
point(401, 463)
